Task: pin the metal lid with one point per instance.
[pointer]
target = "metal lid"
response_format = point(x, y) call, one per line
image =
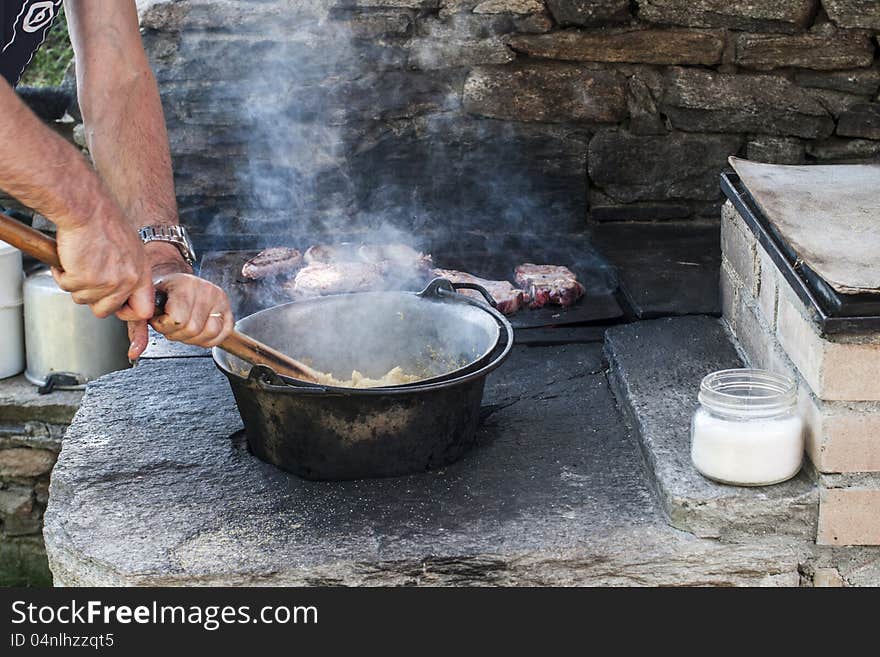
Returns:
point(748, 392)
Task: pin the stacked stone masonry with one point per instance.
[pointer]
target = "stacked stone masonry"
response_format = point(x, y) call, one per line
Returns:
point(475, 111)
point(31, 428)
point(838, 383)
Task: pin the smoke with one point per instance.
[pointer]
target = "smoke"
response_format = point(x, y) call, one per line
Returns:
point(345, 124)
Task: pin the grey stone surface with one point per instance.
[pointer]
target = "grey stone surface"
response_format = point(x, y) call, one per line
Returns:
point(161, 347)
point(860, 121)
point(31, 434)
point(775, 150)
point(656, 368)
point(554, 493)
point(674, 166)
point(857, 81)
point(782, 16)
point(644, 117)
point(854, 13)
point(521, 15)
point(552, 93)
point(858, 566)
point(824, 50)
point(836, 149)
point(429, 54)
point(837, 103)
point(20, 402)
point(703, 101)
point(640, 46)
point(589, 12)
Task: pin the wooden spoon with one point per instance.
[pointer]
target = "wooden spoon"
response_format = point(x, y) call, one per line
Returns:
point(45, 249)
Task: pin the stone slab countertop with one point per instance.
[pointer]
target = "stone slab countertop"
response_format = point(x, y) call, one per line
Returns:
point(164, 492)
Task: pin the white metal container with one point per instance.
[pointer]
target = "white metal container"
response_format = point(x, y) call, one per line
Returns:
point(11, 328)
point(10, 275)
point(63, 337)
point(11, 340)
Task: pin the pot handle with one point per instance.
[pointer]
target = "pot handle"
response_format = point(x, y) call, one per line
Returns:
point(441, 287)
point(479, 288)
point(267, 378)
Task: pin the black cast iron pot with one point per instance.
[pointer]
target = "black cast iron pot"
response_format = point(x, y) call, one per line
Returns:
point(324, 432)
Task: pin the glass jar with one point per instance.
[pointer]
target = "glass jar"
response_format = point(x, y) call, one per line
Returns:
point(747, 430)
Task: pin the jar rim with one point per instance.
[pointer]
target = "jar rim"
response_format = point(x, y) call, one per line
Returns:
point(748, 391)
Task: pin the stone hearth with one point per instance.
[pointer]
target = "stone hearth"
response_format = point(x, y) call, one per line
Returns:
point(157, 492)
point(164, 491)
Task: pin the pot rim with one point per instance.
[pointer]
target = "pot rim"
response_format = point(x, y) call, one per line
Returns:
point(439, 290)
point(267, 379)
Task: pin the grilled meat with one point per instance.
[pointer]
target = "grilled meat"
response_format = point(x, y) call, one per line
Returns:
point(272, 262)
point(320, 279)
point(507, 297)
point(551, 284)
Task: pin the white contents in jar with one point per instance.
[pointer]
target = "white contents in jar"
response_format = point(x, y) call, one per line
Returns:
point(747, 452)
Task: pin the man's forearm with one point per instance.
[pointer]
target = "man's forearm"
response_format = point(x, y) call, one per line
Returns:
point(42, 170)
point(124, 122)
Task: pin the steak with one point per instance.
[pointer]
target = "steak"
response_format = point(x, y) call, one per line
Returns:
point(507, 297)
point(269, 263)
point(549, 284)
point(321, 279)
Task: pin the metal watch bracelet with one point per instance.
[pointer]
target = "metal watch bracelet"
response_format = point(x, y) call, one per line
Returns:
point(171, 234)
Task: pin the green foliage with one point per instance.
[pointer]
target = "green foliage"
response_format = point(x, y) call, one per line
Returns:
point(50, 62)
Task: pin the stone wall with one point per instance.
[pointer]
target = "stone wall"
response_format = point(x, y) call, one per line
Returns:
point(505, 114)
point(31, 427)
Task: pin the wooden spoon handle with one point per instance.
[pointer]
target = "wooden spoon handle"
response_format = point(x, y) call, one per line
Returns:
point(255, 352)
point(252, 351)
point(30, 241)
point(45, 249)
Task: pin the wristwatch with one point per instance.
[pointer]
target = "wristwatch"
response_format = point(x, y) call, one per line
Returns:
point(172, 234)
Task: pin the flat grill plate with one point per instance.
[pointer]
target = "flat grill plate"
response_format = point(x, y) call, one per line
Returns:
point(599, 305)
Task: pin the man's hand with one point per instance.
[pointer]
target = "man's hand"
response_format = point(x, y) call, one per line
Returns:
point(104, 264)
point(197, 312)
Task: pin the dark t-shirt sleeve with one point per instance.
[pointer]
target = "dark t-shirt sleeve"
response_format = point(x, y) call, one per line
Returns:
point(23, 28)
